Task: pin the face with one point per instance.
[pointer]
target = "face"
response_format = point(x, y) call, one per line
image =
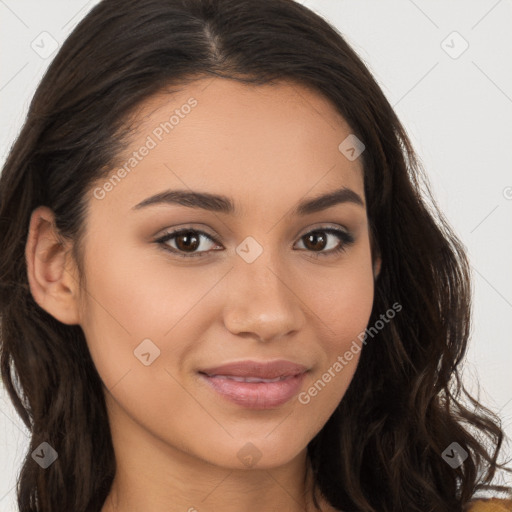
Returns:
point(256, 275)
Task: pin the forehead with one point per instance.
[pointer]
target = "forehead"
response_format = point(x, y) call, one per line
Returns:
point(222, 136)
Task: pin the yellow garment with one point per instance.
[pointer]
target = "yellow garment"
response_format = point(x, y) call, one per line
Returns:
point(490, 505)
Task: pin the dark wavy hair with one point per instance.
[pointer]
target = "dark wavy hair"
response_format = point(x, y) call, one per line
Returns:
point(381, 448)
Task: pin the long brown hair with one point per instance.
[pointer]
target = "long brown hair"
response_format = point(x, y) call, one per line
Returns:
point(382, 448)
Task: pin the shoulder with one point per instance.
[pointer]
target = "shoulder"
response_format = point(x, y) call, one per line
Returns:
point(489, 505)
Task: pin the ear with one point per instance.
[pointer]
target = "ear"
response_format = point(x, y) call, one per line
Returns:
point(51, 271)
point(375, 255)
point(377, 263)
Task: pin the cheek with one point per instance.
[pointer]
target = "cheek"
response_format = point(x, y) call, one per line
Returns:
point(342, 309)
point(127, 300)
point(341, 298)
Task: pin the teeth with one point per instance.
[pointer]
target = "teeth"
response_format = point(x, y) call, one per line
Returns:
point(250, 379)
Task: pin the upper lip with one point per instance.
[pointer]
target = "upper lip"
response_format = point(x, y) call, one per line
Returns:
point(259, 369)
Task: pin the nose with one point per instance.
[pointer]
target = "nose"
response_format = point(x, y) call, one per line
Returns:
point(263, 301)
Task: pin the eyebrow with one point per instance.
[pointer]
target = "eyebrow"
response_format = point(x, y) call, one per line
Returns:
point(223, 204)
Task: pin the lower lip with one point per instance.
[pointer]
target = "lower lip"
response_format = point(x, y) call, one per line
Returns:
point(257, 395)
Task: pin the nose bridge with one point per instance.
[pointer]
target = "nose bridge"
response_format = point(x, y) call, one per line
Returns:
point(261, 301)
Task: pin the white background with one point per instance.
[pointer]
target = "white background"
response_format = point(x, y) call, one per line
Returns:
point(457, 111)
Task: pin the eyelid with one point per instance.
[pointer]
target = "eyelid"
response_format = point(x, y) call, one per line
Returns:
point(176, 231)
point(326, 226)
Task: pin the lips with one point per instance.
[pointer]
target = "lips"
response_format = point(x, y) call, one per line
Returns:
point(256, 385)
point(262, 371)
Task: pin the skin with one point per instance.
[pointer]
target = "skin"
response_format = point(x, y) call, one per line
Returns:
point(176, 441)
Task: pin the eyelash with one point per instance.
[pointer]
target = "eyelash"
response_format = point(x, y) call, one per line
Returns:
point(346, 238)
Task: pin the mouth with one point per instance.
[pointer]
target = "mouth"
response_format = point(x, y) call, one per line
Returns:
point(264, 370)
point(256, 385)
point(247, 379)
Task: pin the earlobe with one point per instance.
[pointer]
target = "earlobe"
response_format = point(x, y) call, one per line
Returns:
point(50, 268)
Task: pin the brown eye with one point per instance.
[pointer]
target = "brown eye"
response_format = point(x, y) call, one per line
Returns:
point(186, 242)
point(318, 240)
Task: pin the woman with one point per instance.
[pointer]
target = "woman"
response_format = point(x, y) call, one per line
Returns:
point(221, 288)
